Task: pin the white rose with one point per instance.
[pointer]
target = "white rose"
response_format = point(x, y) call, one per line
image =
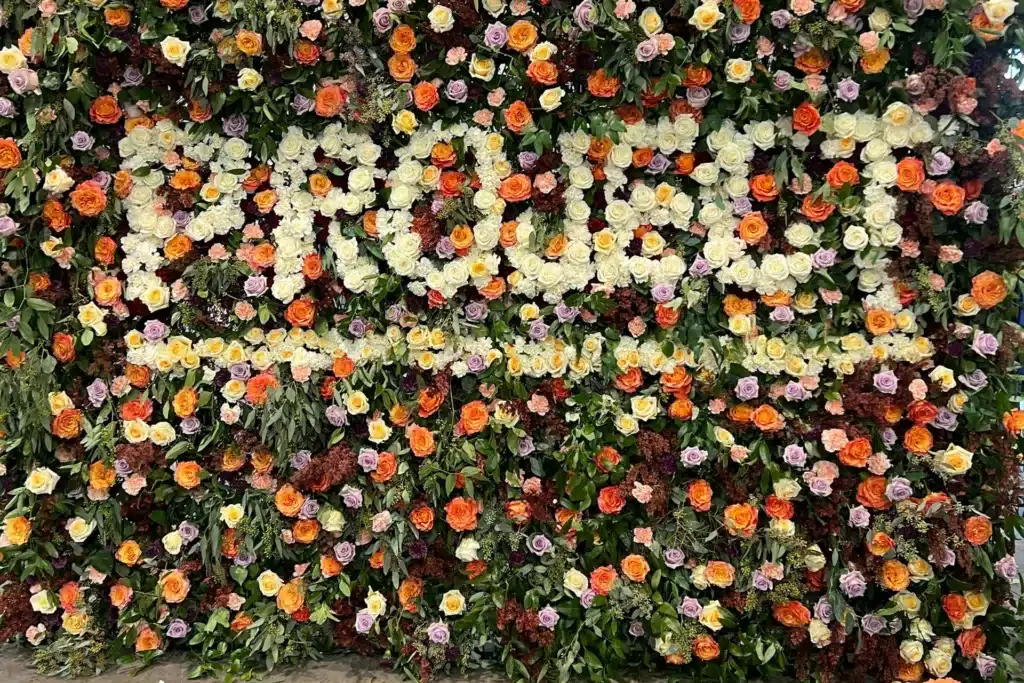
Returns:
point(42, 481)
point(855, 238)
point(175, 50)
point(467, 550)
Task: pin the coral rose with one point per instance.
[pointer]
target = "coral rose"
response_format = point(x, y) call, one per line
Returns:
point(461, 513)
point(602, 579)
point(792, 614)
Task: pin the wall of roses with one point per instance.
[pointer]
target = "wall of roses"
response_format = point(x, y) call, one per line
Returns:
point(562, 338)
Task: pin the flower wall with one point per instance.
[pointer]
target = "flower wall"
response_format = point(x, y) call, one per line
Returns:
point(561, 338)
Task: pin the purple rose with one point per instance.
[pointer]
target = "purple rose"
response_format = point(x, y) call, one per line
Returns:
point(761, 582)
point(849, 90)
point(985, 344)
point(235, 126)
point(1007, 567)
point(244, 558)
point(782, 314)
point(796, 392)
point(823, 258)
point(496, 36)
point(539, 544)
point(302, 104)
point(336, 416)
point(700, 267)
point(674, 558)
point(548, 617)
point(566, 313)
point(97, 392)
point(382, 21)
point(739, 33)
point(181, 219)
point(747, 389)
point(872, 624)
point(457, 90)
point(976, 212)
point(886, 382)
point(352, 497)
point(646, 51)
point(782, 80)
point(132, 77)
point(914, 9)
point(898, 489)
point(945, 419)
point(23, 81)
point(976, 381)
point(476, 311)
point(526, 446)
point(636, 629)
point(344, 552)
point(940, 164)
point(794, 455)
point(197, 14)
point(585, 15)
point(122, 467)
point(301, 459)
point(860, 517)
point(986, 665)
point(659, 164)
point(154, 331)
point(399, 6)
point(240, 371)
point(587, 599)
point(438, 633)
point(476, 364)
point(697, 97)
point(692, 456)
point(255, 285)
point(662, 292)
point(781, 18)
point(7, 108)
point(527, 160)
point(741, 206)
point(690, 608)
point(823, 610)
point(82, 141)
point(191, 425)
point(538, 330)
point(889, 437)
point(309, 509)
point(364, 621)
point(820, 486)
point(852, 584)
point(357, 328)
point(177, 629)
point(188, 531)
point(944, 558)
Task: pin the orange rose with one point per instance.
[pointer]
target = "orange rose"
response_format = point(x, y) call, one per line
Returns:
point(329, 100)
point(119, 17)
point(841, 174)
point(430, 400)
point(874, 62)
point(776, 508)
point(409, 591)
point(185, 402)
point(67, 424)
point(699, 493)
point(971, 642)
point(147, 640)
point(128, 553)
point(186, 474)
point(10, 155)
point(895, 575)
point(767, 419)
point(607, 459)
point(306, 530)
point(306, 52)
point(909, 174)
point(696, 76)
point(753, 228)
point(461, 513)
point(241, 622)
point(871, 493)
point(291, 597)
point(329, 566)
point(174, 586)
point(741, 519)
point(257, 388)
point(474, 417)
point(601, 84)
point(120, 595)
point(288, 501)
point(955, 606)
point(402, 67)
point(792, 614)
point(101, 477)
point(635, 568)
point(63, 347)
point(705, 648)
point(763, 187)
point(518, 511)
point(610, 500)
point(542, 72)
point(814, 61)
point(602, 579)
point(518, 117)
point(515, 188)
point(856, 453)
point(988, 289)
point(387, 467)
point(249, 42)
point(720, 574)
point(422, 518)
point(748, 10)
point(817, 210)
point(879, 321)
point(403, 39)
point(178, 247)
point(948, 197)
point(978, 529)
point(425, 96)
point(629, 381)
point(89, 199)
point(734, 305)
point(522, 36)
point(421, 440)
point(1013, 421)
point(105, 110)
point(880, 543)
point(806, 119)
point(301, 313)
point(918, 440)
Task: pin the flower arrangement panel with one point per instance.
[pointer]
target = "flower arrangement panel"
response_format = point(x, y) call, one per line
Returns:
point(560, 338)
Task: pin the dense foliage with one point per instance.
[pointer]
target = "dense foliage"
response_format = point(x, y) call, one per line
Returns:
point(559, 338)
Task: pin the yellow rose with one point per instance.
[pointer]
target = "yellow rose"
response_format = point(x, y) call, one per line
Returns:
point(706, 16)
point(269, 583)
point(404, 122)
point(249, 79)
